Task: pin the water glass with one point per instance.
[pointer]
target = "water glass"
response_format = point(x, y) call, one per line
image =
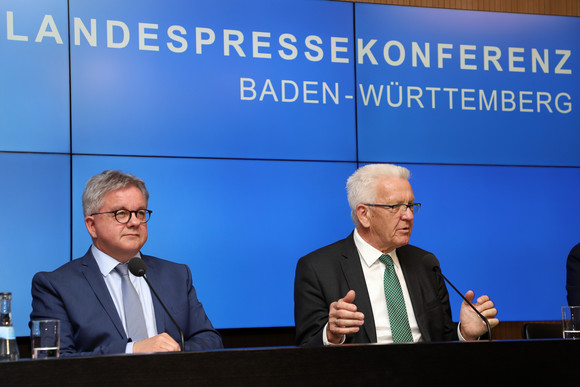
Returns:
point(571, 322)
point(45, 338)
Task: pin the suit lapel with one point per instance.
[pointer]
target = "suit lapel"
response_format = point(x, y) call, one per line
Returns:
point(153, 278)
point(355, 279)
point(95, 279)
point(412, 279)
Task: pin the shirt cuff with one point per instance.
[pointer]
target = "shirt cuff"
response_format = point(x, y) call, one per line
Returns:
point(129, 347)
point(461, 338)
point(325, 339)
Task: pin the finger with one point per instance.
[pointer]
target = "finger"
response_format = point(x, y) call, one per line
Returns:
point(489, 313)
point(348, 311)
point(348, 323)
point(469, 295)
point(341, 304)
point(345, 307)
point(349, 297)
point(165, 341)
point(170, 341)
point(173, 347)
point(482, 299)
point(344, 331)
point(169, 345)
point(346, 315)
point(486, 305)
point(333, 308)
point(347, 301)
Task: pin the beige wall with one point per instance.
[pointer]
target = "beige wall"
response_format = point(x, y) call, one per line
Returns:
point(542, 7)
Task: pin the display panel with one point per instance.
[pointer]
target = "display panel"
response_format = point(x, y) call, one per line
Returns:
point(35, 226)
point(34, 73)
point(467, 87)
point(172, 81)
point(214, 79)
point(240, 225)
point(501, 231)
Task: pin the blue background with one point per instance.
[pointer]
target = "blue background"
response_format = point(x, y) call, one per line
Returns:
point(442, 135)
point(188, 104)
point(240, 190)
point(34, 89)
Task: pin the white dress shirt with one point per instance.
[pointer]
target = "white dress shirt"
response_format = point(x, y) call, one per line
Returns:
point(113, 280)
point(374, 271)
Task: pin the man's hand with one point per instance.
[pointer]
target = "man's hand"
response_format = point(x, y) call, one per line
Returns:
point(343, 319)
point(472, 326)
point(159, 343)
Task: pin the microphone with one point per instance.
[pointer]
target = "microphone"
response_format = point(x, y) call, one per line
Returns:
point(437, 270)
point(138, 268)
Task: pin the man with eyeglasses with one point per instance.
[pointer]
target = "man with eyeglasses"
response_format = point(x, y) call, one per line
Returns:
point(373, 287)
point(104, 309)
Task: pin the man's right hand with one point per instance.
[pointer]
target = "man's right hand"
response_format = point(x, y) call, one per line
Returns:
point(343, 319)
point(160, 343)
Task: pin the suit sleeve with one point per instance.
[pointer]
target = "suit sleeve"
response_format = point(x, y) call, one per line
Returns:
point(441, 325)
point(49, 301)
point(573, 276)
point(310, 306)
point(449, 330)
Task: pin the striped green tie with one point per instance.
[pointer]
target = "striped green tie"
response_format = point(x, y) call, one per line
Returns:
point(396, 303)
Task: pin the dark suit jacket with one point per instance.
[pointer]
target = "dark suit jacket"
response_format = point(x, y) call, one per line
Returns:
point(573, 276)
point(77, 295)
point(327, 274)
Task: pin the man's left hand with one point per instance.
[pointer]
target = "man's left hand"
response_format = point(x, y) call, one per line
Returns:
point(472, 326)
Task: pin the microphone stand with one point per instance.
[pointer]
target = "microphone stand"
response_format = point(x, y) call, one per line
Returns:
point(169, 314)
point(138, 268)
point(438, 271)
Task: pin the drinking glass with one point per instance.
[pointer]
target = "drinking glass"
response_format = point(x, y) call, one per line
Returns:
point(45, 338)
point(571, 322)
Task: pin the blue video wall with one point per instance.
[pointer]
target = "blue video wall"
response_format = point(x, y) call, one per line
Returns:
point(245, 120)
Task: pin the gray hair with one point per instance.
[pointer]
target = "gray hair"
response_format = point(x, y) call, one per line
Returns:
point(361, 186)
point(100, 185)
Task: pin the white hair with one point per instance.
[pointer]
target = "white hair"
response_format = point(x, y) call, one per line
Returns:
point(361, 186)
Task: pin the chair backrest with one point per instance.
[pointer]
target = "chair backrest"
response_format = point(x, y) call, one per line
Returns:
point(542, 330)
point(24, 347)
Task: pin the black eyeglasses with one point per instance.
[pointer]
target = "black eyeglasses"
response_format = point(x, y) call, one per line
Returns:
point(124, 216)
point(398, 208)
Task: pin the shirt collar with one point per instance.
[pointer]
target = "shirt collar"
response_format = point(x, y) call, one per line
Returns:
point(368, 253)
point(105, 262)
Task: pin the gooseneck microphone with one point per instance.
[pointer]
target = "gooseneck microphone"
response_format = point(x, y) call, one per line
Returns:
point(437, 270)
point(138, 268)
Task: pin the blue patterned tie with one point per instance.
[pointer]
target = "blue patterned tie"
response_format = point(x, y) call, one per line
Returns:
point(134, 318)
point(396, 303)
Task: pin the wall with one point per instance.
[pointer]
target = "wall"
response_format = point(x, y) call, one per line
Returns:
point(540, 7)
